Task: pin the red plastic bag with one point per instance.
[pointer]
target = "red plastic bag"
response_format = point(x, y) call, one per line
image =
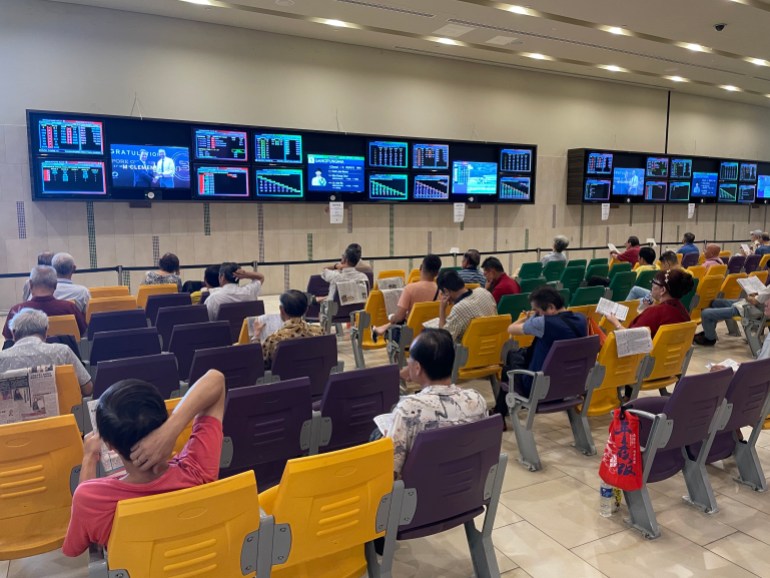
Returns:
point(594, 329)
point(622, 460)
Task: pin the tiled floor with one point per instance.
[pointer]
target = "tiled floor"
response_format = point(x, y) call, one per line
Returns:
point(548, 523)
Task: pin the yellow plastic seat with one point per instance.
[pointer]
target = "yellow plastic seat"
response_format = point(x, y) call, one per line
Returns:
point(102, 304)
point(618, 372)
point(111, 291)
point(186, 432)
point(730, 288)
point(37, 459)
point(707, 291)
point(414, 276)
point(716, 271)
point(420, 313)
point(484, 340)
point(701, 259)
point(146, 290)
point(330, 503)
point(67, 388)
point(389, 273)
point(761, 275)
point(378, 315)
point(764, 261)
point(725, 254)
point(63, 325)
point(243, 336)
point(697, 271)
point(472, 286)
point(670, 354)
point(523, 340)
point(589, 311)
point(679, 257)
point(200, 531)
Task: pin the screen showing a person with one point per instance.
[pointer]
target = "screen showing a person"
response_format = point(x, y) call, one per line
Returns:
point(515, 161)
point(599, 164)
point(222, 145)
point(679, 191)
point(657, 167)
point(681, 168)
point(148, 167)
point(655, 191)
point(749, 172)
point(60, 177)
point(763, 187)
point(222, 182)
point(597, 190)
point(388, 187)
point(431, 187)
point(388, 154)
point(335, 173)
point(514, 188)
point(430, 156)
point(704, 185)
point(728, 171)
point(279, 183)
point(278, 148)
point(747, 193)
point(82, 137)
point(627, 182)
point(728, 192)
point(474, 178)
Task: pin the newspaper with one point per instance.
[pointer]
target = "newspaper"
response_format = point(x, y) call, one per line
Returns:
point(390, 283)
point(28, 393)
point(613, 248)
point(607, 307)
point(272, 322)
point(384, 422)
point(633, 341)
point(110, 459)
point(351, 292)
point(431, 323)
point(751, 285)
point(745, 248)
point(391, 297)
point(731, 363)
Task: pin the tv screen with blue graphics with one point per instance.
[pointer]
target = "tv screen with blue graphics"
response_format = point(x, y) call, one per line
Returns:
point(335, 173)
point(430, 156)
point(388, 187)
point(222, 182)
point(679, 191)
point(60, 178)
point(431, 188)
point(280, 184)
point(704, 185)
point(763, 187)
point(70, 136)
point(221, 145)
point(627, 182)
point(278, 148)
point(388, 154)
point(474, 178)
point(148, 166)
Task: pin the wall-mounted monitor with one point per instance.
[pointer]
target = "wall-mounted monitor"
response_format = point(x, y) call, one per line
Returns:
point(704, 185)
point(71, 178)
point(728, 171)
point(679, 191)
point(514, 188)
point(728, 192)
point(748, 172)
point(335, 173)
point(747, 193)
point(515, 161)
point(221, 182)
point(599, 164)
point(430, 156)
point(431, 188)
point(597, 190)
point(150, 166)
point(220, 145)
point(657, 167)
point(278, 148)
point(388, 154)
point(763, 187)
point(627, 182)
point(284, 184)
point(681, 168)
point(388, 187)
point(474, 178)
point(70, 136)
point(656, 191)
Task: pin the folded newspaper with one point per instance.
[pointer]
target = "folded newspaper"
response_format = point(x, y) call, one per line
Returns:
point(633, 341)
point(27, 394)
point(731, 363)
point(390, 283)
point(110, 459)
point(751, 285)
point(351, 292)
point(271, 322)
point(607, 307)
point(391, 297)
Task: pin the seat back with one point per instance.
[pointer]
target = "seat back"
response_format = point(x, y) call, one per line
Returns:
point(687, 299)
point(63, 325)
point(751, 263)
point(242, 365)
point(669, 349)
point(102, 304)
point(331, 501)
point(414, 276)
point(263, 427)
point(529, 284)
point(146, 290)
point(123, 343)
point(567, 365)
point(577, 263)
point(586, 296)
point(390, 273)
point(619, 267)
point(697, 271)
point(67, 388)
point(170, 317)
point(747, 393)
point(235, 313)
point(621, 283)
point(378, 315)
point(725, 254)
point(618, 372)
point(764, 260)
point(707, 291)
point(553, 269)
point(108, 291)
point(450, 468)
point(184, 435)
point(484, 339)
point(312, 357)
point(513, 305)
point(37, 465)
point(115, 320)
point(188, 338)
point(199, 531)
point(644, 279)
point(690, 259)
point(716, 271)
point(735, 264)
point(530, 270)
point(761, 275)
point(597, 270)
point(317, 287)
point(571, 277)
point(730, 288)
point(159, 369)
point(155, 302)
point(353, 398)
point(420, 313)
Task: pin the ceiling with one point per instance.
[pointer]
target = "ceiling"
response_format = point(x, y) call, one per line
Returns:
point(663, 43)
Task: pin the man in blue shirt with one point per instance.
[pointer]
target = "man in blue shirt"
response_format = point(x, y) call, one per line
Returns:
point(764, 247)
point(689, 245)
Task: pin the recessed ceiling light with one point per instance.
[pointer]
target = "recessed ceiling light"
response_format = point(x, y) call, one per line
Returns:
point(284, 2)
point(676, 78)
point(614, 30)
point(519, 10)
point(693, 47)
point(730, 88)
point(201, 2)
point(337, 23)
point(448, 41)
point(537, 56)
point(612, 68)
point(758, 61)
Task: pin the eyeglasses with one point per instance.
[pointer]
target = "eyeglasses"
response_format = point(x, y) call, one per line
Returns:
point(658, 283)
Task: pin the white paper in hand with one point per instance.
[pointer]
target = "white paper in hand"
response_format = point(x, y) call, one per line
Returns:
point(384, 422)
point(110, 459)
point(607, 307)
point(751, 285)
point(613, 248)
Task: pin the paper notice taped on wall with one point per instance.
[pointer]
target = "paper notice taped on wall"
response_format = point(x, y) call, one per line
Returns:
point(690, 210)
point(336, 212)
point(605, 211)
point(459, 212)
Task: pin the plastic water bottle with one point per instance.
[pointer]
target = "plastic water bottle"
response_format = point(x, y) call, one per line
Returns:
point(606, 500)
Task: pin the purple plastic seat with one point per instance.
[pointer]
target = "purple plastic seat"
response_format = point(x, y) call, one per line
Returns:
point(567, 380)
point(317, 287)
point(242, 364)
point(235, 313)
point(735, 264)
point(752, 263)
point(668, 425)
point(313, 357)
point(169, 317)
point(108, 345)
point(352, 399)
point(155, 302)
point(263, 427)
point(690, 259)
point(116, 320)
point(159, 370)
point(188, 338)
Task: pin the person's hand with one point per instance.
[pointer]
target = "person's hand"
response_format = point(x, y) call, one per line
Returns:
point(614, 320)
point(92, 445)
point(257, 328)
point(443, 300)
point(717, 368)
point(153, 450)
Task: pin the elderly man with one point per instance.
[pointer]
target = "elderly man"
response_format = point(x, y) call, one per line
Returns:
point(293, 305)
point(229, 291)
point(29, 328)
point(345, 270)
point(43, 282)
point(467, 304)
point(65, 288)
point(43, 258)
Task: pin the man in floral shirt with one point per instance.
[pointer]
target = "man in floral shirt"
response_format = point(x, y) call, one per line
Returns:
point(293, 307)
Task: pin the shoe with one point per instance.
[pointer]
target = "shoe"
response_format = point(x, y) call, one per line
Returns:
point(375, 337)
point(701, 339)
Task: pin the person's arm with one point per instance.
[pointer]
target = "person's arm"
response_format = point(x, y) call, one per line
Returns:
point(443, 302)
point(530, 325)
point(398, 316)
point(614, 321)
point(84, 379)
point(92, 451)
point(253, 275)
point(205, 398)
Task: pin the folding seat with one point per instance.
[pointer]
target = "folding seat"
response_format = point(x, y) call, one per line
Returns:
point(483, 349)
point(316, 287)
point(63, 325)
point(571, 278)
point(170, 317)
point(633, 313)
point(115, 320)
point(529, 284)
point(587, 296)
point(761, 275)
point(735, 264)
point(235, 313)
point(598, 261)
point(414, 276)
point(391, 274)
point(242, 365)
point(644, 279)
point(577, 263)
point(185, 434)
point(730, 289)
point(553, 269)
point(689, 301)
point(620, 285)
point(108, 345)
point(146, 290)
point(513, 305)
point(670, 356)
point(707, 291)
point(159, 369)
point(372, 315)
point(398, 350)
point(187, 338)
point(68, 394)
point(313, 357)
point(108, 291)
point(763, 261)
point(619, 267)
point(155, 302)
point(697, 271)
point(531, 270)
point(102, 304)
point(332, 312)
point(725, 254)
point(597, 270)
point(716, 271)
point(690, 260)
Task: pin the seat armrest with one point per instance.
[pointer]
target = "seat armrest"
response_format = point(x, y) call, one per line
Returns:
point(97, 562)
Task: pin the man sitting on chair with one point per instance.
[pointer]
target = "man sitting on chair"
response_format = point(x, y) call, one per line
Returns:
point(229, 291)
point(293, 305)
point(345, 270)
point(467, 304)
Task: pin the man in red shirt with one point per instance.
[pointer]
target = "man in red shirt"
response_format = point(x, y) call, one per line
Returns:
point(131, 418)
point(498, 283)
point(631, 254)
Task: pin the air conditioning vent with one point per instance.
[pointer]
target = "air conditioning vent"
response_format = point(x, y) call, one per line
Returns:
point(389, 8)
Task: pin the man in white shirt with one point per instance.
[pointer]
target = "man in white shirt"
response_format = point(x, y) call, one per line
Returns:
point(345, 270)
point(724, 309)
point(164, 170)
point(64, 264)
point(229, 291)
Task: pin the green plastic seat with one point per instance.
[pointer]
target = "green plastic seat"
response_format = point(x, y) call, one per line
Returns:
point(620, 268)
point(531, 270)
point(577, 263)
point(553, 269)
point(644, 279)
point(587, 296)
point(687, 299)
point(565, 295)
point(620, 284)
point(449, 269)
point(597, 270)
point(528, 285)
point(513, 305)
point(599, 261)
point(571, 278)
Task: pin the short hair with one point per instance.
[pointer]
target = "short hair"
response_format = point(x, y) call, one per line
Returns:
point(43, 276)
point(127, 412)
point(294, 303)
point(677, 283)
point(560, 242)
point(756, 233)
point(45, 258)
point(211, 275)
point(434, 350)
point(227, 271)
point(473, 257)
point(169, 263)
point(352, 254)
point(449, 280)
point(492, 263)
point(766, 236)
point(689, 238)
point(431, 264)
point(633, 240)
point(648, 254)
point(546, 295)
point(669, 257)
point(28, 321)
point(64, 264)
